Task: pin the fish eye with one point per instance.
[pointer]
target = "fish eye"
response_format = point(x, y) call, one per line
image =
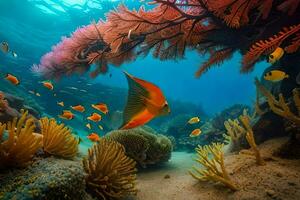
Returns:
point(271, 56)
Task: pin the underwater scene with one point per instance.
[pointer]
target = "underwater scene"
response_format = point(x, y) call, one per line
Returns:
point(149, 99)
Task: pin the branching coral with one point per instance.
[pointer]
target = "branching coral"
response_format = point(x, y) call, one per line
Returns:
point(280, 106)
point(110, 173)
point(58, 139)
point(216, 27)
point(234, 130)
point(245, 120)
point(211, 157)
point(3, 102)
point(21, 144)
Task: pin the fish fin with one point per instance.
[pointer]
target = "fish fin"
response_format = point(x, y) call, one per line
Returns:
point(135, 100)
point(287, 76)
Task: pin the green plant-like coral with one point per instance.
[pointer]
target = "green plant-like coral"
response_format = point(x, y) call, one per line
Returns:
point(21, 144)
point(211, 159)
point(58, 139)
point(110, 173)
point(143, 145)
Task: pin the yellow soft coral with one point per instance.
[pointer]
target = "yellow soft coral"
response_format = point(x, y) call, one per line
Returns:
point(280, 107)
point(110, 173)
point(58, 139)
point(21, 145)
point(211, 157)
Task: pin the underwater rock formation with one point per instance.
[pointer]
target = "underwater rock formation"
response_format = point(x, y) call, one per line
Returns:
point(143, 145)
point(11, 105)
point(58, 139)
point(110, 173)
point(47, 178)
point(20, 145)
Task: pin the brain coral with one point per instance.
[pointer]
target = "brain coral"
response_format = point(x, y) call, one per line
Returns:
point(143, 145)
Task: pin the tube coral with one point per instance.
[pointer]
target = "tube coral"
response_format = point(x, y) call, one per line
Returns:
point(21, 145)
point(211, 157)
point(110, 173)
point(216, 27)
point(58, 139)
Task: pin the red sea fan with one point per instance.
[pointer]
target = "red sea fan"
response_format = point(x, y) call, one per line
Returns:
point(264, 47)
point(295, 44)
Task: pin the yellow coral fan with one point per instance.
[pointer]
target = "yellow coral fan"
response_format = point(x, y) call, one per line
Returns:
point(280, 107)
point(111, 174)
point(234, 129)
point(21, 145)
point(245, 119)
point(211, 157)
point(58, 139)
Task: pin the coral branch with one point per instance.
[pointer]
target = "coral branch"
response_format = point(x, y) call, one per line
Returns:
point(211, 157)
point(245, 119)
point(281, 107)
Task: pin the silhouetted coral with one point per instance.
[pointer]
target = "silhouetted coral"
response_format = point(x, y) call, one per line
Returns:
point(18, 149)
point(214, 27)
point(145, 147)
point(211, 157)
point(110, 173)
point(58, 139)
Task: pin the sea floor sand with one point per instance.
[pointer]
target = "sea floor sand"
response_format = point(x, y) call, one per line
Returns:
point(279, 179)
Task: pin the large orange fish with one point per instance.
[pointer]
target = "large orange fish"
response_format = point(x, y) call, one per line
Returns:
point(145, 102)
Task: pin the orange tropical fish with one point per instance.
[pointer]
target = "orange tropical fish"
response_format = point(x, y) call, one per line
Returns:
point(196, 132)
point(94, 137)
point(66, 114)
point(11, 78)
point(102, 107)
point(78, 108)
point(95, 117)
point(88, 125)
point(145, 102)
point(48, 84)
point(62, 104)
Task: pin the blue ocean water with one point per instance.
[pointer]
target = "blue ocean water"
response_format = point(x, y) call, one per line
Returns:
point(31, 27)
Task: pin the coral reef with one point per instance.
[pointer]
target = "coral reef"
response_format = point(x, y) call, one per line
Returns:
point(171, 27)
point(143, 145)
point(58, 139)
point(21, 143)
point(110, 173)
point(47, 178)
point(211, 157)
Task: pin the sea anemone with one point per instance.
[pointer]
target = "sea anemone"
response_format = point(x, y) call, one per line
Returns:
point(110, 173)
point(21, 144)
point(58, 139)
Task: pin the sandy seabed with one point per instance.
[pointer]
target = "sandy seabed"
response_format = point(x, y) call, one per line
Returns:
point(279, 179)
